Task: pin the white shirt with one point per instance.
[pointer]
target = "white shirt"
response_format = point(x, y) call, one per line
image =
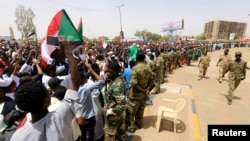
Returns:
point(55, 126)
point(99, 132)
point(75, 127)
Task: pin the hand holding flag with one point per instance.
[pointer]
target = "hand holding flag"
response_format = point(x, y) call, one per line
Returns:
point(104, 42)
point(64, 44)
point(60, 25)
point(32, 32)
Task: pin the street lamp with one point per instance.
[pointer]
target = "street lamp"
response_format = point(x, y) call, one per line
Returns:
point(121, 32)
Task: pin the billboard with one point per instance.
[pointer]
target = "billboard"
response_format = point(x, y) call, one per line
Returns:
point(231, 37)
point(177, 25)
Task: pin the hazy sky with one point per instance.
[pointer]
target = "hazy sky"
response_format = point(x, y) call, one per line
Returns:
point(101, 17)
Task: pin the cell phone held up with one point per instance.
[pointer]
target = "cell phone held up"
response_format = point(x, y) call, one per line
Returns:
point(51, 40)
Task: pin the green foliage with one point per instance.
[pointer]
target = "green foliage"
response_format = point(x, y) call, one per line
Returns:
point(165, 37)
point(116, 38)
point(148, 35)
point(202, 36)
point(24, 20)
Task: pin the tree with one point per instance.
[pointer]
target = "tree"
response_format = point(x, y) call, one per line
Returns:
point(24, 20)
point(116, 38)
point(148, 35)
point(202, 36)
point(165, 37)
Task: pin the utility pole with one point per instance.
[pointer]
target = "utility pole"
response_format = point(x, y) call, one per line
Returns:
point(121, 32)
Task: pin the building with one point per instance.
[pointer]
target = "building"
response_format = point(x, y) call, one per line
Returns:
point(222, 29)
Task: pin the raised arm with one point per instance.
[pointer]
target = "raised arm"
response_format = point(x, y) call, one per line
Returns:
point(97, 76)
point(104, 53)
point(37, 65)
point(73, 68)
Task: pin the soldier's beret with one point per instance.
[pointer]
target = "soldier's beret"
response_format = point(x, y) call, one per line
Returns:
point(238, 53)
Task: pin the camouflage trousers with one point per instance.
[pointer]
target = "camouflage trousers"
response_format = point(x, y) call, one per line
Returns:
point(188, 60)
point(115, 127)
point(233, 84)
point(157, 82)
point(177, 64)
point(170, 67)
point(163, 74)
point(134, 114)
point(221, 72)
point(202, 71)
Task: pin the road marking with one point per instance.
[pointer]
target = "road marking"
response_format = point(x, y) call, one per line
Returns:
point(145, 110)
point(195, 116)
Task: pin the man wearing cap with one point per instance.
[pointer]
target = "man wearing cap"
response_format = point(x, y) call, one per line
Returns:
point(87, 110)
point(157, 73)
point(138, 91)
point(115, 104)
point(53, 83)
point(169, 61)
point(223, 63)
point(203, 65)
point(189, 55)
point(61, 71)
point(237, 72)
point(163, 67)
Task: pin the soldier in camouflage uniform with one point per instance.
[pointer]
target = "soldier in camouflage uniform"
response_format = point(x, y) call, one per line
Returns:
point(189, 55)
point(115, 104)
point(141, 78)
point(203, 65)
point(170, 61)
point(157, 71)
point(151, 63)
point(177, 58)
point(164, 64)
point(237, 72)
point(174, 55)
point(223, 63)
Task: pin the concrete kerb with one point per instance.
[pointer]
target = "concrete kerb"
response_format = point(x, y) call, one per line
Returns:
point(189, 115)
point(196, 124)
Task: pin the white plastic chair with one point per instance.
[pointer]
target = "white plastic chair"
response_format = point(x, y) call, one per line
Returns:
point(170, 111)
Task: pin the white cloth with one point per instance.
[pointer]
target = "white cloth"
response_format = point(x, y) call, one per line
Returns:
point(99, 132)
point(60, 69)
point(54, 126)
point(5, 82)
point(10, 95)
point(74, 124)
point(25, 68)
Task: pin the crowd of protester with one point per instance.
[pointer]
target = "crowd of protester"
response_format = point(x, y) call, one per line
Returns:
point(87, 93)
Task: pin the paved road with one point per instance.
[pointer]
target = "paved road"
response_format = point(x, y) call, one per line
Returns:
point(206, 103)
point(209, 95)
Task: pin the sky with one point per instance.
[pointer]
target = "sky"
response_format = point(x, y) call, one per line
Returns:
point(101, 17)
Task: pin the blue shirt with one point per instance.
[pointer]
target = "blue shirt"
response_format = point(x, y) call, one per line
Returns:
point(87, 110)
point(127, 76)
